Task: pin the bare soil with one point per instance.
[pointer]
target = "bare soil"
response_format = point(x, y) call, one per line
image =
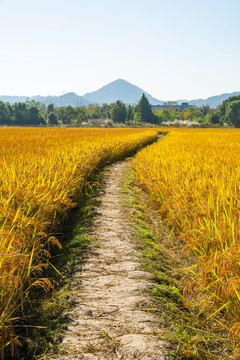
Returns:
point(110, 290)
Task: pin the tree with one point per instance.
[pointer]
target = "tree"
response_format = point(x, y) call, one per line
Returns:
point(130, 113)
point(145, 110)
point(204, 110)
point(5, 114)
point(223, 106)
point(105, 111)
point(213, 117)
point(50, 108)
point(137, 118)
point(119, 112)
point(52, 119)
point(20, 114)
point(34, 117)
point(66, 114)
point(166, 115)
point(233, 113)
point(80, 116)
point(229, 111)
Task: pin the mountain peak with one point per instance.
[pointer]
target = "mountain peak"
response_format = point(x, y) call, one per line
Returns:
point(120, 80)
point(119, 89)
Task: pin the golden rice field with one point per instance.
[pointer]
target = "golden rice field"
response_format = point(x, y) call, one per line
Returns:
point(43, 173)
point(193, 178)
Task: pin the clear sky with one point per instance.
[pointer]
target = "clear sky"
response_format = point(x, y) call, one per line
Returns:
point(173, 49)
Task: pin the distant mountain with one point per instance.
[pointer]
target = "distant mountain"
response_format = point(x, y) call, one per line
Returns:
point(13, 99)
point(212, 101)
point(110, 93)
point(119, 90)
point(62, 100)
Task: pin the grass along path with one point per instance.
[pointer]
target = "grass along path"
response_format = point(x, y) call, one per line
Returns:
point(110, 288)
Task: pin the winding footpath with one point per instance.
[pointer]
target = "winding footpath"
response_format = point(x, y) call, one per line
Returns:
point(110, 288)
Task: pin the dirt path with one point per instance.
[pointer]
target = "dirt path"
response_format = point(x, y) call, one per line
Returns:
point(110, 289)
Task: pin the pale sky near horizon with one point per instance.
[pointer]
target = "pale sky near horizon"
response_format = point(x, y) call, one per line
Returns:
point(175, 49)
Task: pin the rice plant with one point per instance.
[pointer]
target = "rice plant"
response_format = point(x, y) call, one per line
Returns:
point(44, 173)
point(193, 179)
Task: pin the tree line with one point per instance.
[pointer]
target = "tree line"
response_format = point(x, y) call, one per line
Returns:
point(32, 113)
point(226, 114)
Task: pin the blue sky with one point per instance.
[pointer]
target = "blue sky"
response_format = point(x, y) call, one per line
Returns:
point(175, 49)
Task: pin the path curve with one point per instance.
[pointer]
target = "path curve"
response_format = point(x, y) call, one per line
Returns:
point(110, 288)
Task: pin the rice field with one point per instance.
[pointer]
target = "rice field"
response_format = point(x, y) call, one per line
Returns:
point(193, 179)
point(191, 175)
point(44, 173)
